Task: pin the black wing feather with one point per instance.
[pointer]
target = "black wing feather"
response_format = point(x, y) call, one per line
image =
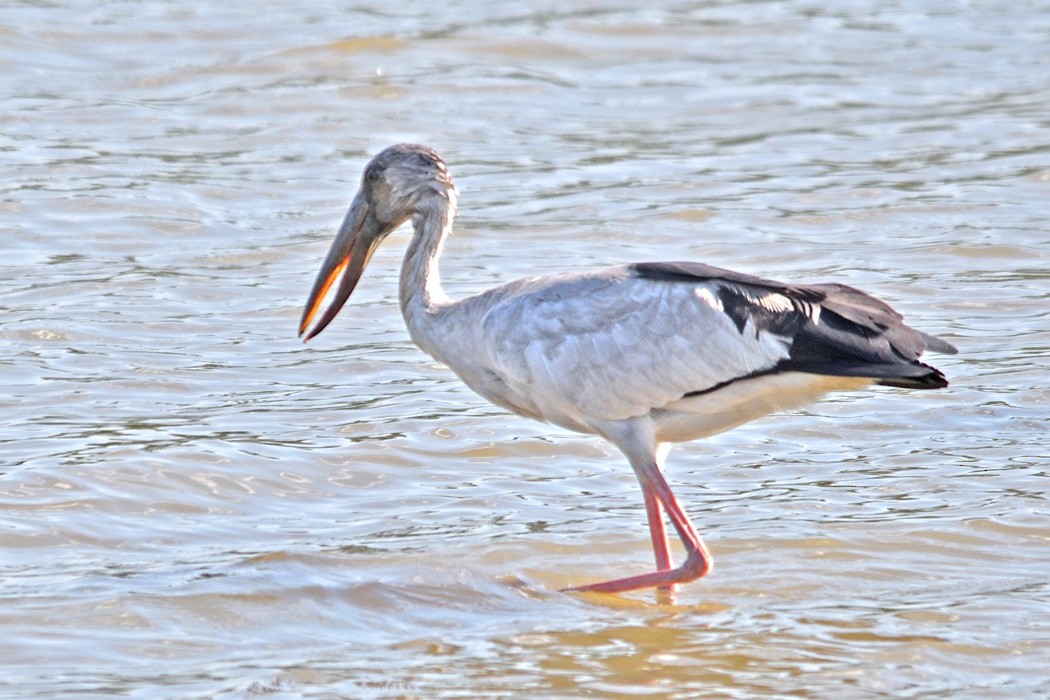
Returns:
point(834, 329)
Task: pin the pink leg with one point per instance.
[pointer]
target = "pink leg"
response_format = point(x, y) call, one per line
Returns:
point(656, 531)
point(661, 548)
point(697, 559)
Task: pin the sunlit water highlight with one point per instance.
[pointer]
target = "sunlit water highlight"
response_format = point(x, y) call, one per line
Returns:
point(194, 504)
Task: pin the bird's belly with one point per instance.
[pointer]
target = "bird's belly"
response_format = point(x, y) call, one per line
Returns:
point(518, 399)
point(520, 403)
point(743, 401)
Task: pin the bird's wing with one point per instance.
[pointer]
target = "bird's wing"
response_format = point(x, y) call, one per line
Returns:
point(623, 341)
point(618, 343)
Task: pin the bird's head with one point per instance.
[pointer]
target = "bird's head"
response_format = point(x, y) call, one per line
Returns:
point(402, 182)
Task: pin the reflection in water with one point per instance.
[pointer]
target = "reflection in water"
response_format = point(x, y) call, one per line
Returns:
point(190, 499)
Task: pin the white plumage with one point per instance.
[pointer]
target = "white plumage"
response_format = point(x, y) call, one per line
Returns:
point(643, 355)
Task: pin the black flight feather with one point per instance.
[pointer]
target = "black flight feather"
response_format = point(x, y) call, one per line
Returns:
point(833, 329)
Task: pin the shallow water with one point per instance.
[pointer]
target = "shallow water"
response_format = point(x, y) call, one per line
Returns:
point(194, 504)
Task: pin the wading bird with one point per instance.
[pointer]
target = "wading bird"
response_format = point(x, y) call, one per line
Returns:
point(644, 355)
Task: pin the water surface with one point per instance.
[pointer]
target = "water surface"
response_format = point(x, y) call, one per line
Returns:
point(194, 504)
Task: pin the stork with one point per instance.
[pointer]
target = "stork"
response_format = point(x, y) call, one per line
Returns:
point(643, 355)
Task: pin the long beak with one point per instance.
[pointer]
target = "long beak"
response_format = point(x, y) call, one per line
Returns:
point(357, 239)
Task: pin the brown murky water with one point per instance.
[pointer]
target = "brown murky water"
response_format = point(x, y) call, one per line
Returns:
point(194, 504)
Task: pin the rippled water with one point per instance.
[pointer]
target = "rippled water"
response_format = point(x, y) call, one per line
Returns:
point(194, 504)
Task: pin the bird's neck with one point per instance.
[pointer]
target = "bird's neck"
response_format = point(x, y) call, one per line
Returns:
point(421, 293)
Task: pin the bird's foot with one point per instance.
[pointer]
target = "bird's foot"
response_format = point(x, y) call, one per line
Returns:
point(694, 567)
